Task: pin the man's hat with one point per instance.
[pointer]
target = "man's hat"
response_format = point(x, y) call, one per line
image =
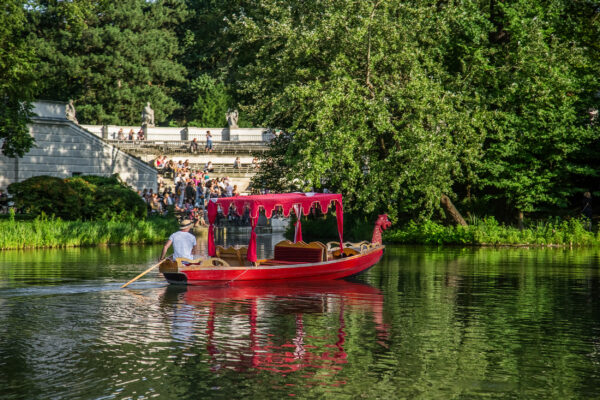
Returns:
point(185, 223)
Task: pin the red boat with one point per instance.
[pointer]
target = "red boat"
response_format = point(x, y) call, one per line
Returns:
point(291, 260)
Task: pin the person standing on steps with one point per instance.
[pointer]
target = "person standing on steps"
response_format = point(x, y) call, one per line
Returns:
point(208, 147)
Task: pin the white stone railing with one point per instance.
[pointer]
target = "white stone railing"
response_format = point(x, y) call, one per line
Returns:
point(171, 134)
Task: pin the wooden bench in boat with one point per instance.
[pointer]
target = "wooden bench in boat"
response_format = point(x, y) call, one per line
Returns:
point(233, 256)
point(179, 264)
point(287, 252)
point(348, 252)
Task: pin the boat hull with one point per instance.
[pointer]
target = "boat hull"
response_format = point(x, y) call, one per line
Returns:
point(327, 270)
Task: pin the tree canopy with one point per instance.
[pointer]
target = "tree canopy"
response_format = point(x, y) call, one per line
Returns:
point(110, 57)
point(397, 103)
point(17, 79)
point(394, 104)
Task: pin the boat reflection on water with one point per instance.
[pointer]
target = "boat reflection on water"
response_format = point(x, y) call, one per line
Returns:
point(280, 328)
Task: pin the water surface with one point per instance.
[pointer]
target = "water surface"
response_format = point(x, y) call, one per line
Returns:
point(424, 323)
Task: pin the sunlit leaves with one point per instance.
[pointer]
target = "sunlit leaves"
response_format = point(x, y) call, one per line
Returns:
point(371, 101)
point(17, 79)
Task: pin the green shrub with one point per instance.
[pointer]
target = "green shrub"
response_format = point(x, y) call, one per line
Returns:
point(46, 194)
point(117, 202)
point(96, 180)
point(86, 195)
point(82, 197)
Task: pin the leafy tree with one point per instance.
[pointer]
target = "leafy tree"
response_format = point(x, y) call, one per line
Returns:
point(206, 40)
point(110, 57)
point(17, 79)
point(211, 103)
point(397, 104)
point(378, 106)
point(543, 80)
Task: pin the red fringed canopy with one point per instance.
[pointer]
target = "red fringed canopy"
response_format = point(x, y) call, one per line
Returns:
point(269, 202)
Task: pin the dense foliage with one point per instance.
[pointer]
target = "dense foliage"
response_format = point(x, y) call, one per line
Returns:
point(110, 57)
point(397, 103)
point(487, 231)
point(394, 104)
point(17, 83)
point(82, 197)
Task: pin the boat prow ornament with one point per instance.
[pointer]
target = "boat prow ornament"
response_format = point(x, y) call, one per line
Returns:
point(291, 260)
point(381, 225)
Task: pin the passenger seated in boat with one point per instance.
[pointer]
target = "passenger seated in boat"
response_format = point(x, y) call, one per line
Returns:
point(184, 243)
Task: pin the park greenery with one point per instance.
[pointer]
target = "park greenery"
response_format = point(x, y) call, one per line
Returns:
point(44, 231)
point(394, 104)
point(552, 232)
point(79, 211)
point(85, 197)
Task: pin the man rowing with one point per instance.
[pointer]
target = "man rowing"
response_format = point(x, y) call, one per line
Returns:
point(184, 243)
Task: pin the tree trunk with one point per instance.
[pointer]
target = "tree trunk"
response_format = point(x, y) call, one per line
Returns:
point(520, 218)
point(452, 211)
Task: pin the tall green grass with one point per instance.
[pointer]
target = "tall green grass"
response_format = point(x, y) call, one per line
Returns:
point(54, 232)
point(488, 231)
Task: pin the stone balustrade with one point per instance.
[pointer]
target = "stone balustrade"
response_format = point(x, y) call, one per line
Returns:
point(190, 133)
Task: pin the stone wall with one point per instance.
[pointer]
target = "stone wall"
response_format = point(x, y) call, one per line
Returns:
point(63, 149)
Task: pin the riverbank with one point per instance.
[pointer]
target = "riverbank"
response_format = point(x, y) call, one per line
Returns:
point(488, 231)
point(48, 232)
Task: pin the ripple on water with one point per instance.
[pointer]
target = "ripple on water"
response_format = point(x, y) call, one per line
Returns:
point(429, 323)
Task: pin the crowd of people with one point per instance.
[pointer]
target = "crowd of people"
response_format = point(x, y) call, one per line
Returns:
point(171, 168)
point(192, 190)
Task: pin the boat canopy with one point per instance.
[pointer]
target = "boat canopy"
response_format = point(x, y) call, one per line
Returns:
point(299, 202)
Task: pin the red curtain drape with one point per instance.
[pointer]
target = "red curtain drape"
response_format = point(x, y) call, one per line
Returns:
point(251, 256)
point(298, 232)
point(339, 214)
point(212, 217)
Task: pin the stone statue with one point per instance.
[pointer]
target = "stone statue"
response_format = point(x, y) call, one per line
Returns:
point(232, 118)
point(148, 116)
point(593, 115)
point(70, 111)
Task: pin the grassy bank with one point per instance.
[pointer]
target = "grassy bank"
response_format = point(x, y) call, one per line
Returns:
point(489, 232)
point(49, 232)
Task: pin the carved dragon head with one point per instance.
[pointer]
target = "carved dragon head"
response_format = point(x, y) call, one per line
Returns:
point(383, 222)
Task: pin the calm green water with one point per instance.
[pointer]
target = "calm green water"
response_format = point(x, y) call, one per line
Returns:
point(424, 323)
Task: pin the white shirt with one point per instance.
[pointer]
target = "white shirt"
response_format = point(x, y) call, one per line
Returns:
point(183, 243)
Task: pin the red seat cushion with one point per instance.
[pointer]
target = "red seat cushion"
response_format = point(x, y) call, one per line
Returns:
point(301, 255)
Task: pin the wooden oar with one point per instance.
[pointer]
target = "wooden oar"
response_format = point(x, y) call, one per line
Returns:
point(143, 273)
